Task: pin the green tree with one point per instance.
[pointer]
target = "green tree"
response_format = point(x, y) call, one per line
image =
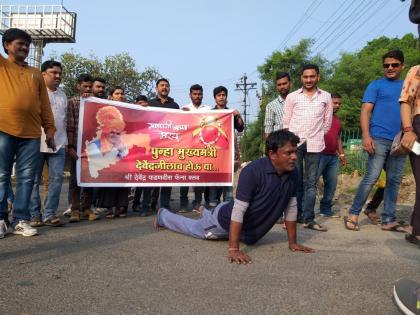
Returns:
point(119, 69)
point(352, 72)
point(290, 60)
point(349, 76)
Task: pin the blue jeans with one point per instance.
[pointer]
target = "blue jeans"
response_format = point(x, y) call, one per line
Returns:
point(10, 194)
point(207, 227)
point(27, 156)
point(328, 168)
point(55, 163)
point(307, 165)
point(394, 168)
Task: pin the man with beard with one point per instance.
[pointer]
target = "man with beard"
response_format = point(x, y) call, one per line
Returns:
point(308, 114)
point(275, 109)
point(163, 100)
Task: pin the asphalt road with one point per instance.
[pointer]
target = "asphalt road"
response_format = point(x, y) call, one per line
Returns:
point(123, 266)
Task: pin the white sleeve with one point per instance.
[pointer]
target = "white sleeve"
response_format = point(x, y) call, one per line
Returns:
point(290, 214)
point(238, 210)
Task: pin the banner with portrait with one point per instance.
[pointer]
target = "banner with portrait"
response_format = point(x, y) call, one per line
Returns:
point(127, 145)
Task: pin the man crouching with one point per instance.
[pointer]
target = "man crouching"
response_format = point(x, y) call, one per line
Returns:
point(266, 191)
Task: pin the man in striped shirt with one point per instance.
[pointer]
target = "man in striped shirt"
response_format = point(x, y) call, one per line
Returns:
point(275, 109)
point(308, 114)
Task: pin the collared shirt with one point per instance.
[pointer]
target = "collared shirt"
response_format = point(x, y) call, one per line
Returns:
point(169, 103)
point(268, 195)
point(309, 117)
point(411, 90)
point(192, 107)
point(274, 115)
point(58, 101)
point(24, 104)
point(73, 120)
point(238, 124)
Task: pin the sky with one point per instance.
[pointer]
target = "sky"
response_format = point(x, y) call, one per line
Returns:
point(215, 42)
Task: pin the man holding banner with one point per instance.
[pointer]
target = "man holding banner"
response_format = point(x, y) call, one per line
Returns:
point(257, 206)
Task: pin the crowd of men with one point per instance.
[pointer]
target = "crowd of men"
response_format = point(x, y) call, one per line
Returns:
point(38, 124)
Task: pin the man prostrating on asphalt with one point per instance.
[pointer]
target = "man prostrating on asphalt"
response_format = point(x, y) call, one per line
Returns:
point(266, 190)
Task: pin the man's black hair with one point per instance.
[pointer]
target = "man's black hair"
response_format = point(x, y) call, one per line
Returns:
point(162, 80)
point(49, 64)
point(196, 87)
point(281, 75)
point(219, 89)
point(280, 138)
point(99, 79)
point(310, 66)
point(114, 88)
point(84, 78)
point(395, 54)
point(12, 34)
point(141, 98)
point(335, 95)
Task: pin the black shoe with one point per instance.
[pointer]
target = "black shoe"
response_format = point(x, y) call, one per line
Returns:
point(407, 296)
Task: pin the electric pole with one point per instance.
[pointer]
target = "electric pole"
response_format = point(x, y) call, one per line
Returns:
point(245, 87)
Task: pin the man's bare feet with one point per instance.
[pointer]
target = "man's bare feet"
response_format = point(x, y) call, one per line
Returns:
point(155, 221)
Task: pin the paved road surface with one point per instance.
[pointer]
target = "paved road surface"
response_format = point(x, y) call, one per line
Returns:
point(123, 266)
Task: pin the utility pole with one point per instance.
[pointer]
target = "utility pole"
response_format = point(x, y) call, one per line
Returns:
point(245, 87)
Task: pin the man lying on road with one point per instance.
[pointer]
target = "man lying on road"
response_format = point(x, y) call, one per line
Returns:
point(266, 190)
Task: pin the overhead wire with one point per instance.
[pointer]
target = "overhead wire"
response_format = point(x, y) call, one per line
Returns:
point(299, 24)
point(356, 28)
point(332, 36)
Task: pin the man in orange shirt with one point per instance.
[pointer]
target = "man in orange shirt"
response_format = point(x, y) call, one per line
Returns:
point(24, 107)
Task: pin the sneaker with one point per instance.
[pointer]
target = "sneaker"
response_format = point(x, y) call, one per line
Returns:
point(23, 228)
point(407, 296)
point(4, 229)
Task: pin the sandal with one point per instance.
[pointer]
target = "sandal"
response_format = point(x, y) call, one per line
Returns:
point(395, 228)
point(315, 226)
point(109, 214)
point(412, 239)
point(122, 213)
point(373, 217)
point(346, 221)
point(53, 221)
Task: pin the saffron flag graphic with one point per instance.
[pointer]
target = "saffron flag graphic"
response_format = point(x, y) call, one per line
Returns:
point(125, 145)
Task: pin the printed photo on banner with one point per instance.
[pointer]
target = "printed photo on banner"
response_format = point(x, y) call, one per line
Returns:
point(123, 144)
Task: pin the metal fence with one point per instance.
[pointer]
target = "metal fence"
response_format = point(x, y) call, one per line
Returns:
point(356, 157)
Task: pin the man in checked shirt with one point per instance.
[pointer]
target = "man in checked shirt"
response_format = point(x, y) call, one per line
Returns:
point(308, 114)
point(275, 109)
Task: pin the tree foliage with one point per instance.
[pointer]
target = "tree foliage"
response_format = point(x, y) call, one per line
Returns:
point(349, 76)
point(119, 69)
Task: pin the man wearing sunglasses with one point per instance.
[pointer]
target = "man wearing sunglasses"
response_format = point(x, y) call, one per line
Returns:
point(380, 121)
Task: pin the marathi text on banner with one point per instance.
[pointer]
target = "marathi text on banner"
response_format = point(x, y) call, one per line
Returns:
point(128, 145)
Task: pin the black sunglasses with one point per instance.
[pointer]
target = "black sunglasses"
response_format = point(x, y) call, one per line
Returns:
point(393, 65)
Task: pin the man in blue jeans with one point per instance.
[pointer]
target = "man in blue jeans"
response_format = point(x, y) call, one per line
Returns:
point(24, 108)
point(308, 113)
point(380, 121)
point(52, 73)
point(328, 161)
